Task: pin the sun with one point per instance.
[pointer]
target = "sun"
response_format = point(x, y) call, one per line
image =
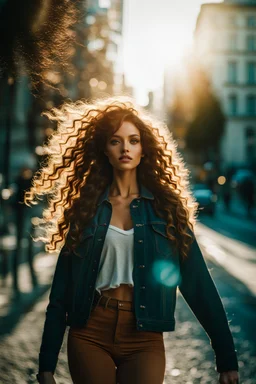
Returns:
point(176, 45)
point(160, 47)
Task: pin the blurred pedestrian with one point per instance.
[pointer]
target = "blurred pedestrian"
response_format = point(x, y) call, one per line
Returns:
point(21, 214)
point(247, 191)
point(118, 200)
point(226, 193)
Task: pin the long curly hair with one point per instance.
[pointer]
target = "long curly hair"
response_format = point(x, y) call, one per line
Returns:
point(77, 171)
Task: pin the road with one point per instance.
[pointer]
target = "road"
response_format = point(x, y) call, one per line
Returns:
point(234, 225)
point(190, 359)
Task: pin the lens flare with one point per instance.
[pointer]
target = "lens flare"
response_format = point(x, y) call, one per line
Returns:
point(166, 273)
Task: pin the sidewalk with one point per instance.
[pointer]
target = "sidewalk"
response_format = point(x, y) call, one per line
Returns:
point(13, 307)
point(228, 239)
point(238, 259)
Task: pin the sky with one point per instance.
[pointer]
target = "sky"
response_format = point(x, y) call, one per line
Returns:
point(156, 34)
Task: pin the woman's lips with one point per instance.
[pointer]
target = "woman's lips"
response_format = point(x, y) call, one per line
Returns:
point(125, 160)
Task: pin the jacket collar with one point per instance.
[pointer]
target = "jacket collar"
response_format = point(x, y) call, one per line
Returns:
point(144, 192)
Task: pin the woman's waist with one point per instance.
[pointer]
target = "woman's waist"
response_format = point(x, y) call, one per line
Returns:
point(123, 292)
point(112, 302)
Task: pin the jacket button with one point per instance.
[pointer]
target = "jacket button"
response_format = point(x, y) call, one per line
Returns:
point(100, 239)
point(140, 325)
point(142, 306)
point(140, 241)
point(139, 225)
point(142, 266)
point(135, 206)
point(143, 287)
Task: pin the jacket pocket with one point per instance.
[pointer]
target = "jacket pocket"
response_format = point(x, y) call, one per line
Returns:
point(86, 242)
point(163, 244)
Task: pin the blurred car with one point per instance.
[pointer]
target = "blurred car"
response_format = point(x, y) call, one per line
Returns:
point(205, 197)
point(240, 176)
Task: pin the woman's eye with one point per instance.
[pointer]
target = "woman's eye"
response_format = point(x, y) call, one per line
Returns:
point(113, 141)
point(132, 141)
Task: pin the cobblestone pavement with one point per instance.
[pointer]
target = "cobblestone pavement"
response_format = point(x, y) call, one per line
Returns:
point(190, 359)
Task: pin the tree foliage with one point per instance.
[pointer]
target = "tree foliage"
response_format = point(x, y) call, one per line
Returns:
point(35, 34)
point(197, 109)
point(206, 126)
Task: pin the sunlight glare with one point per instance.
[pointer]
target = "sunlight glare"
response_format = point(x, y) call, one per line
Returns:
point(165, 47)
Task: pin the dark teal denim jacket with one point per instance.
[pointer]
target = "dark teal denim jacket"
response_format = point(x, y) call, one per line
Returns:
point(158, 271)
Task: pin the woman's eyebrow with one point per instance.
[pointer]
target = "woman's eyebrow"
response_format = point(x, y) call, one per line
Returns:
point(134, 134)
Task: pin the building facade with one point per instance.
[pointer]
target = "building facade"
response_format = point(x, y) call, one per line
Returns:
point(225, 45)
point(105, 43)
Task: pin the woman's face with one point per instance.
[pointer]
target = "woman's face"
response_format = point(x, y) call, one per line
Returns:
point(124, 148)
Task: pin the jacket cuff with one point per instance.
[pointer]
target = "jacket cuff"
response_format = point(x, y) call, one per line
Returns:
point(227, 363)
point(47, 362)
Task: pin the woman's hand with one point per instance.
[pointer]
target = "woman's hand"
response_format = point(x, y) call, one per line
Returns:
point(229, 377)
point(46, 378)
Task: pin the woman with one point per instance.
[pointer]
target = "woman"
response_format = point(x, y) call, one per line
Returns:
point(119, 201)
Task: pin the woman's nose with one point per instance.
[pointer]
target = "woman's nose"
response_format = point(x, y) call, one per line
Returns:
point(125, 148)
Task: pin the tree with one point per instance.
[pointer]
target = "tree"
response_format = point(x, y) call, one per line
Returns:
point(196, 116)
point(206, 125)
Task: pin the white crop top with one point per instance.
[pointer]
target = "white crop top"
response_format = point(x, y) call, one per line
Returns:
point(116, 262)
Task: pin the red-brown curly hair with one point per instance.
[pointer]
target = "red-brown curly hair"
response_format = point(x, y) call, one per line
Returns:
point(77, 171)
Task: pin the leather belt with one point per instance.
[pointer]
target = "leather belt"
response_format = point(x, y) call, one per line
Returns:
point(111, 302)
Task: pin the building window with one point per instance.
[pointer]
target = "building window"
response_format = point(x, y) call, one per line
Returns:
point(232, 43)
point(250, 144)
point(251, 21)
point(251, 43)
point(251, 73)
point(251, 105)
point(232, 105)
point(232, 72)
point(232, 21)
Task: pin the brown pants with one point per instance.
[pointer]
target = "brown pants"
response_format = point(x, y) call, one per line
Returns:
point(110, 350)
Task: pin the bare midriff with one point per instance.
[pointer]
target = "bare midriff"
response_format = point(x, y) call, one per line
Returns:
point(124, 292)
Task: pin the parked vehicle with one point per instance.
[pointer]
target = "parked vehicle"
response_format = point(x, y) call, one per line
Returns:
point(205, 197)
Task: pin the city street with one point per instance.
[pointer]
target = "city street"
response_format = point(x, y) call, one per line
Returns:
point(155, 101)
point(233, 224)
point(190, 359)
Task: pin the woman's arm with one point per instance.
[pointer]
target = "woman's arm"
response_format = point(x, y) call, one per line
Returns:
point(45, 378)
point(202, 296)
point(55, 321)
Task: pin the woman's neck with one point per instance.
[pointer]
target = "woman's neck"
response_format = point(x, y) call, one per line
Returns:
point(124, 189)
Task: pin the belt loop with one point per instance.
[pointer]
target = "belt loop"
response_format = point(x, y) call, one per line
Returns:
point(98, 300)
point(108, 299)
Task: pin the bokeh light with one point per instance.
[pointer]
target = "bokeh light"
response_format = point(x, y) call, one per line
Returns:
point(221, 180)
point(166, 273)
point(93, 82)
